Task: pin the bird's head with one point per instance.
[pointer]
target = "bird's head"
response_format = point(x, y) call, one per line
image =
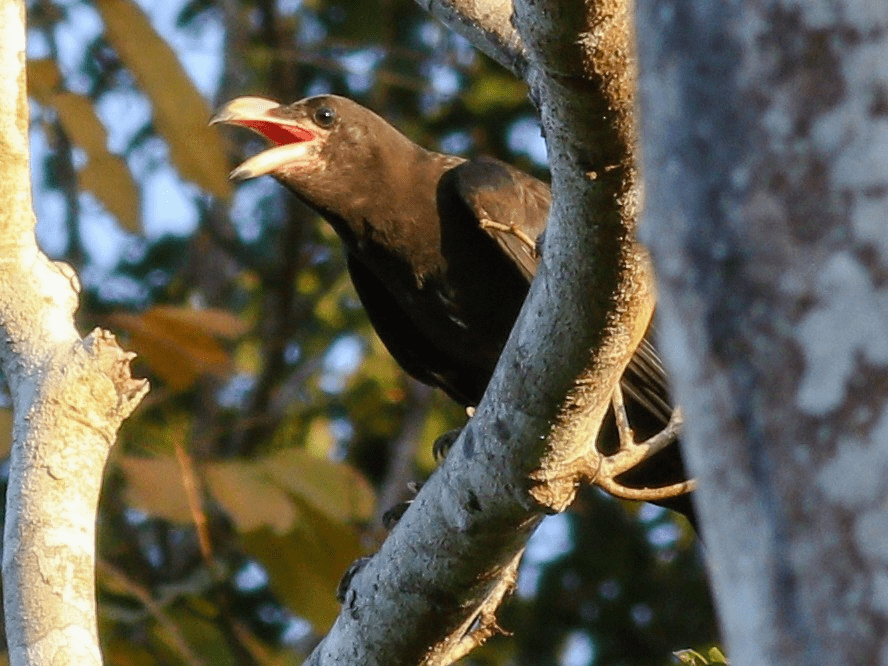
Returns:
point(300, 132)
point(340, 158)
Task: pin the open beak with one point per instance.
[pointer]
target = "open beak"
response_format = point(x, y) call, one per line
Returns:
point(293, 143)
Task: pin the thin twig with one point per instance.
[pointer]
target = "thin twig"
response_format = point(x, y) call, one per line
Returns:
point(174, 637)
point(482, 624)
point(487, 223)
point(195, 506)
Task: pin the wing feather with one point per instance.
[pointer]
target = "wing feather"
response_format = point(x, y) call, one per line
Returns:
point(511, 206)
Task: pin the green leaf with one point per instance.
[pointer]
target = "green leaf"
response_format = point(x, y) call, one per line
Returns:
point(305, 565)
point(179, 343)
point(156, 487)
point(105, 175)
point(251, 498)
point(293, 511)
point(717, 657)
point(693, 658)
point(494, 91)
point(5, 431)
point(335, 489)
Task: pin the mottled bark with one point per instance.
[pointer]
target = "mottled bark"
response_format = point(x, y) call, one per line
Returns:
point(69, 397)
point(765, 143)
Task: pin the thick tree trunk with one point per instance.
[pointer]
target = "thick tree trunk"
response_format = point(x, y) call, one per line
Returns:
point(765, 143)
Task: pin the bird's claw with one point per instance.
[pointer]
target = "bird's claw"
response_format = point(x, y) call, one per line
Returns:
point(444, 443)
point(391, 517)
point(348, 576)
point(632, 453)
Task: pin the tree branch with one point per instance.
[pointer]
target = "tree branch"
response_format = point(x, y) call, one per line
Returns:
point(526, 449)
point(69, 398)
point(487, 24)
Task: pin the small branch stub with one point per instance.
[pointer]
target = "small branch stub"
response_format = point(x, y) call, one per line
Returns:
point(114, 362)
point(482, 624)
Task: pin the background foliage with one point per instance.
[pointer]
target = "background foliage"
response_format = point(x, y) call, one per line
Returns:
point(278, 429)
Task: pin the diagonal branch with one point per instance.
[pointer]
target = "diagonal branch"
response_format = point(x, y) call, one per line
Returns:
point(587, 310)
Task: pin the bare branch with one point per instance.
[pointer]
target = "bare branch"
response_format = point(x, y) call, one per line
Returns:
point(193, 493)
point(590, 303)
point(482, 624)
point(174, 637)
point(487, 24)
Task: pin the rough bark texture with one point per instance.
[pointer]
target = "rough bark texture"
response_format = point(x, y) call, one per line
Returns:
point(524, 451)
point(69, 397)
point(595, 291)
point(765, 130)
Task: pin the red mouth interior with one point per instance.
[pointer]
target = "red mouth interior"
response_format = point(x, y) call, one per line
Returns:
point(279, 134)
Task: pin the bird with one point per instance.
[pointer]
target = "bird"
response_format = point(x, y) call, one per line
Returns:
point(440, 249)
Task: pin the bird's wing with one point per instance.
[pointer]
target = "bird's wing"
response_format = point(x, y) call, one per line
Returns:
point(509, 205)
point(644, 381)
point(518, 204)
point(411, 348)
point(512, 207)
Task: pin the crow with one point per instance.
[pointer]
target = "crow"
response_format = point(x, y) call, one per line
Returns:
point(440, 249)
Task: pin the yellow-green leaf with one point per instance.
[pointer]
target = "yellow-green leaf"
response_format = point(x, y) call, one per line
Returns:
point(80, 121)
point(5, 431)
point(105, 175)
point(214, 321)
point(489, 92)
point(306, 564)
point(180, 343)
point(250, 497)
point(44, 79)
point(288, 509)
point(319, 440)
point(155, 486)
point(335, 489)
point(109, 179)
point(180, 112)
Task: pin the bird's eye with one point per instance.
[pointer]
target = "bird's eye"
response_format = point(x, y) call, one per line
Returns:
point(324, 116)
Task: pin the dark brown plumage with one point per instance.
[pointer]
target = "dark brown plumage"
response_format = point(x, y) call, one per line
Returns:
point(440, 249)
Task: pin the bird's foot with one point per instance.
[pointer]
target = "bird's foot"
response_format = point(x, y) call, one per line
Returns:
point(345, 582)
point(391, 517)
point(444, 443)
